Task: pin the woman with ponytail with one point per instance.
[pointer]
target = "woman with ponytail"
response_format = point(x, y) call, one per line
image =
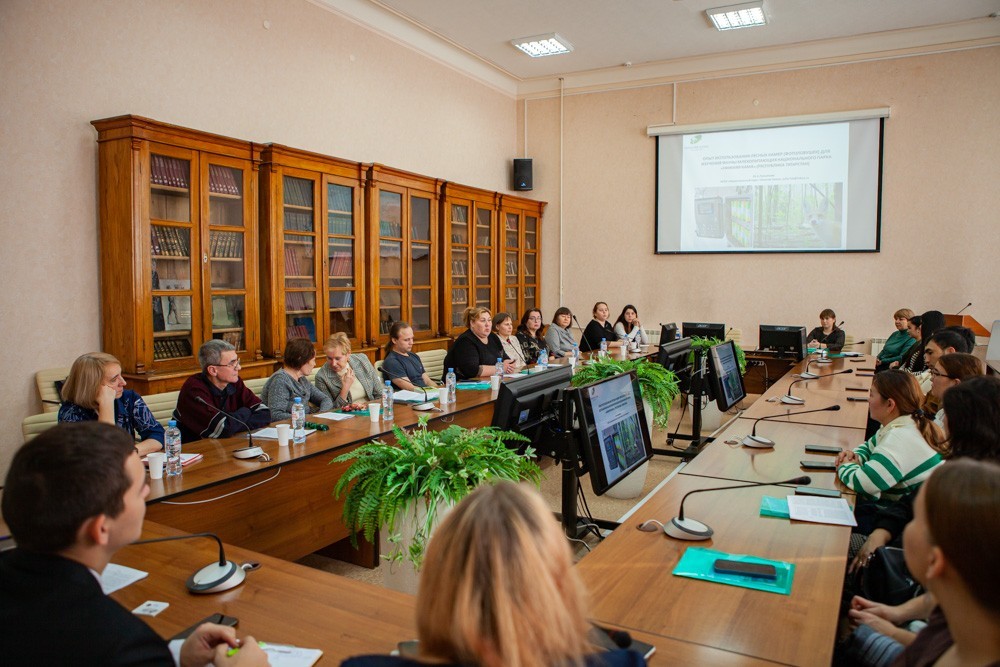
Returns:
point(902, 453)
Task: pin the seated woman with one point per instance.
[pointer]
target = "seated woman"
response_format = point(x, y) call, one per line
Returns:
point(827, 335)
point(558, 338)
point(503, 325)
point(947, 372)
point(598, 329)
point(475, 352)
point(291, 381)
point(401, 366)
point(909, 357)
point(95, 391)
point(930, 323)
point(498, 588)
point(899, 342)
point(529, 332)
point(627, 327)
point(901, 454)
point(349, 379)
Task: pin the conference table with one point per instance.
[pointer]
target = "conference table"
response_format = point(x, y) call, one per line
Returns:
point(629, 574)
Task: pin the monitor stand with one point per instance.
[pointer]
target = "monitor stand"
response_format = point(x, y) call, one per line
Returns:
point(697, 441)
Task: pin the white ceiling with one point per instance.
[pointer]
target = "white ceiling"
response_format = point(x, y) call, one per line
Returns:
point(609, 33)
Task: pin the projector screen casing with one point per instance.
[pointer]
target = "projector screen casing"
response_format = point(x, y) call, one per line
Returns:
point(770, 187)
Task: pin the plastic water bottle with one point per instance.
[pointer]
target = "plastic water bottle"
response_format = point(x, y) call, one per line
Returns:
point(387, 402)
point(451, 382)
point(172, 448)
point(298, 421)
point(604, 347)
point(576, 354)
point(543, 358)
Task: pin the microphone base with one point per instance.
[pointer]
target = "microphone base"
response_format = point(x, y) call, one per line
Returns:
point(687, 529)
point(251, 452)
point(757, 441)
point(793, 400)
point(808, 376)
point(216, 578)
point(825, 360)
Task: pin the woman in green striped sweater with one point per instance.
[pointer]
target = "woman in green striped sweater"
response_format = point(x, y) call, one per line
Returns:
point(900, 456)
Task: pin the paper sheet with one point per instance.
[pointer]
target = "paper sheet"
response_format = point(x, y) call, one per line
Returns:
point(271, 433)
point(117, 577)
point(834, 511)
point(279, 655)
point(334, 416)
point(407, 396)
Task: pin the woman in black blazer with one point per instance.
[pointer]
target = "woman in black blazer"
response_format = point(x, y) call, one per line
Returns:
point(475, 352)
point(599, 328)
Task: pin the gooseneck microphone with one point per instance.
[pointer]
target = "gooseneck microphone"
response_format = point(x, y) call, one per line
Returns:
point(759, 441)
point(214, 577)
point(688, 529)
point(251, 451)
point(583, 339)
point(963, 309)
point(795, 400)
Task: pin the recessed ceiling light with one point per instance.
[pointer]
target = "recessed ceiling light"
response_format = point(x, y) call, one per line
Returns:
point(746, 15)
point(550, 44)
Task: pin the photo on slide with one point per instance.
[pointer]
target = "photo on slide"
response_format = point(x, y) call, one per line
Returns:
point(622, 442)
point(795, 215)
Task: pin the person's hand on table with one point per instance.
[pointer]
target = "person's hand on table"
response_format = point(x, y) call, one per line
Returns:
point(846, 457)
point(210, 643)
point(250, 654)
point(878, 538)
point(509, 366)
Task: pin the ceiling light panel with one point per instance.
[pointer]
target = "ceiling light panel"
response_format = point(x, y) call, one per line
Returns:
point(539, 46)
point(746, 15)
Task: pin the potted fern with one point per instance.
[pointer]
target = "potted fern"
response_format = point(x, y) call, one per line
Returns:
point(658, 387)
point(405, 488)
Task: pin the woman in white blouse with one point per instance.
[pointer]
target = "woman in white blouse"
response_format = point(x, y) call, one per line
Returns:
point(628, 328)
point(503, 327)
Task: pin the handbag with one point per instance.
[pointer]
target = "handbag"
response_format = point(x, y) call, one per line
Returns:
point(886, 578)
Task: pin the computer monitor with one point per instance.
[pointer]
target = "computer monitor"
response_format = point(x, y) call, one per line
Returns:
point(612, 427)
point(523, 403)
point(704, 330)
point(724, 375)
point(781, 338)
point(668, 332)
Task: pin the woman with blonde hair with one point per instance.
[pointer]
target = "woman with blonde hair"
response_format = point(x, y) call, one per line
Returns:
point(95, 391)
point(349, 379)
point(498, 589)
point(898, 344)
point(476, 351)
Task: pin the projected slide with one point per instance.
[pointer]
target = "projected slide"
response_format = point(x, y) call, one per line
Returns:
point(778, 189)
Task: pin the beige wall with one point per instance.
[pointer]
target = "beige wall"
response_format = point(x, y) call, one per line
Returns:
point(313, 81)
point(940, 201)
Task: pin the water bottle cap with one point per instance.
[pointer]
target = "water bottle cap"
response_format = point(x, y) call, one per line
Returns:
point(451, 370)
point(171, 424)
point(298, 399)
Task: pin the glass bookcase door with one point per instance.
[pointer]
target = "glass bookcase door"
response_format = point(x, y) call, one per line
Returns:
point(390, 284)
point(420, 263)
point(300, 257)
point(511, 282)
point(172, 288)
point(460, 267)
point(227, 253)
point(530, 278)
point(484, 278)
point(340, 259)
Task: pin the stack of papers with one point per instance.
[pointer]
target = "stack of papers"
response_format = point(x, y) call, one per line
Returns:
point(834, 511)
point(407, 396)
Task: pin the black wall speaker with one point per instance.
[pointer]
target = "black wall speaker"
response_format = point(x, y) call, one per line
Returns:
point(522, 174)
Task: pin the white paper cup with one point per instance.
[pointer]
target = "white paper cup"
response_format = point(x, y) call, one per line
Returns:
point(495, 382)
point(156, 461)
point(373, 411)
point(284, 434)
point(443, 395)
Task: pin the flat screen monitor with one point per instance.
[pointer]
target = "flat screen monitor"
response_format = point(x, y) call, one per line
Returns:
point(612, 425)
point(668, 332)
point(675, 355)
point(724, 375)
point(704, 330)
point(523, 403)
point(780, 338)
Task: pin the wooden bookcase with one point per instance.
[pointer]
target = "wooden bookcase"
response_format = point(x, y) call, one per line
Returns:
point(312, 247)
point(469, 235)
point(403, 262)
point(520, 241)
point(178, 213)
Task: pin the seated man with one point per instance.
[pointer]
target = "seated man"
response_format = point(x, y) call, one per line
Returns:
point(219, 385)
point(74, 496)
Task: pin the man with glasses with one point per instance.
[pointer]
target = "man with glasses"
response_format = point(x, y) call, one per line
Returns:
point(219, 385)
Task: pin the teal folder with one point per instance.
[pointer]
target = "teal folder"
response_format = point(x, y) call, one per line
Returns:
point(696, 563)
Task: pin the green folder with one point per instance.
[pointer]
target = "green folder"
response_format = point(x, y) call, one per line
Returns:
point(696, 563)
point(776, 507)
point(473, 385)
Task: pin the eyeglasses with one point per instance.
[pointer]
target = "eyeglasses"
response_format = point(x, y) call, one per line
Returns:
point(939, 374)
point(536, 318)
point(232, 364)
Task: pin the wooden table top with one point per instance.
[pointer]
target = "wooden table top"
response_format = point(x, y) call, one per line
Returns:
point(852, 414)
point(736, 462)
point(630, 581)
point(281, 602)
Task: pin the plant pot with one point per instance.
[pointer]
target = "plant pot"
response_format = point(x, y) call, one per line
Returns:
point(711, 416)
point(402, 575)
point(631, 486)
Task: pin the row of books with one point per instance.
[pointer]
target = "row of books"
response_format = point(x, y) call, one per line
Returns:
point(459, 267)
point(460, 296)
point(225, 244)
point(341, 264)
point(171, 348)
point(302, 327)
point(340, 224)
point(234, 338)
point(169, 242)
point(169, 171)
point(385, 325)
point(223, 180)
point(295, 265)
point(341, 299)
point(298, 221)
point(298, 192)
point(296, 301)
point(390, 228)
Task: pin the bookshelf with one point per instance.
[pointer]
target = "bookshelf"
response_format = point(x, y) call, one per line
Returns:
point(403, 268)
point(520, 241)
point(312, 248)
point(468, 223)
point(178, 247)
